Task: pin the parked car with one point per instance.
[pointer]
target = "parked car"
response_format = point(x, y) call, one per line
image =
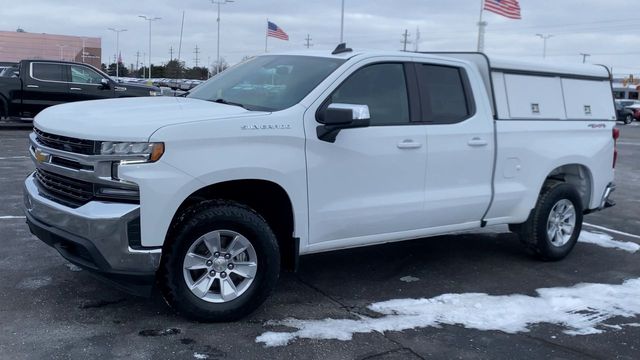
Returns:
point(209, 195)
point(624, 112)
point(43, 83)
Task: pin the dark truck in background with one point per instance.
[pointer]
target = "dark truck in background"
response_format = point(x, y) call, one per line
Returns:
point(39, 84)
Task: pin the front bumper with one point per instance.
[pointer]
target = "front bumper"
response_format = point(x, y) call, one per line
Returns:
point(94, 236)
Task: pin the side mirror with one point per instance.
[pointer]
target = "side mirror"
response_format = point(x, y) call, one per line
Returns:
point(105, 83)
point(341, 116)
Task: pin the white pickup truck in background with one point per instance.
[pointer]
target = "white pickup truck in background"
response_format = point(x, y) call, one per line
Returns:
point(209, 195)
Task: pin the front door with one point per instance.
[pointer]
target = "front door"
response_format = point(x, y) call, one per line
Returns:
point(369, 183)
point(86, 84)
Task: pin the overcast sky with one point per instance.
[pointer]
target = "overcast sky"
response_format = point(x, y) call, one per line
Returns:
point(609, 30)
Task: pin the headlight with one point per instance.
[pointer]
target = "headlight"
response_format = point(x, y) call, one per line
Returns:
point(155, 93)
point(150, 151)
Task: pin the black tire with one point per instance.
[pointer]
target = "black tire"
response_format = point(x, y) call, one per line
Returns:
point(199, 220)
point(533, 233)
point(628, 119)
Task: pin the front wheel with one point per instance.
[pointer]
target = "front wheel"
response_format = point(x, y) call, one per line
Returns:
point(554, 225)
point(628, 119)
point(223, 263)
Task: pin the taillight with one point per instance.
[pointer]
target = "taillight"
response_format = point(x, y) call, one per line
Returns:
point(616, 135)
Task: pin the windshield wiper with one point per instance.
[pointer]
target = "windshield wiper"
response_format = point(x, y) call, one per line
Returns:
point(223, 101)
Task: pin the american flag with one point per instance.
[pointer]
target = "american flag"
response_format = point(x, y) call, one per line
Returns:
point(507, 8)
point(274, 31)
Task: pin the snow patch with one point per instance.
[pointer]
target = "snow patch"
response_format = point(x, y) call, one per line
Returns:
point(607, 241)
point(73, 267)
point(200, 356)
point(409, 279)
point(581, 310)
point(34, 283)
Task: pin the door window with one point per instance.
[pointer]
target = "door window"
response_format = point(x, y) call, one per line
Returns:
point(383, 88)
point(48, 72)
point(84, 75)
point(444, 97)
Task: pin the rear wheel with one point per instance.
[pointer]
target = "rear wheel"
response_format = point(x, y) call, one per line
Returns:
point(628, 119)
point(223, 263)
point(555, 223)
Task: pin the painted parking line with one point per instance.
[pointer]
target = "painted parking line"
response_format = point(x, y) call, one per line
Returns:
point(14, 157)
point(10, 217)
point(627, 143)
point(612, 231)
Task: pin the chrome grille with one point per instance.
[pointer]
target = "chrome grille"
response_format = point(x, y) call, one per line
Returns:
point(65, 190)
point(78, 146)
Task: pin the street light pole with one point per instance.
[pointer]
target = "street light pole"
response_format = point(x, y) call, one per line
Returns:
point(219, 2)
point(61, 51)
point(544, 40)
point(117, 31)
point(150, 20)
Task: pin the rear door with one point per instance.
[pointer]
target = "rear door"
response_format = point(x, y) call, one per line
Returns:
point(44, 85)
point(460, 144)
point(85, 84)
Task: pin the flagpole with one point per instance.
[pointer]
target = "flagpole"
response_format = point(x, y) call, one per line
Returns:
point(266, 36)
point(481, 28)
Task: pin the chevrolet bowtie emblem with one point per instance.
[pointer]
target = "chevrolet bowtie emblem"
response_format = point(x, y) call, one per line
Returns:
point(42, 157)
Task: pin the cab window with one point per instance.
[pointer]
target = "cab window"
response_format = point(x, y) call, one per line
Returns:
point(48, 72)
point(84, 75)
point(382, 87)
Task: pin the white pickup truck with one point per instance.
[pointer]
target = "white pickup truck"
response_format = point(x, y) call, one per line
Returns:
point(210, 195)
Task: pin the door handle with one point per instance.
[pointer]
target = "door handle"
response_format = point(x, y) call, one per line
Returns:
point(476, 142)
point(76, 89)
point(33, 86)
point(409, 144)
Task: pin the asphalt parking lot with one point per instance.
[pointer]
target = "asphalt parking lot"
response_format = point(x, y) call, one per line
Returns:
point(51, 309)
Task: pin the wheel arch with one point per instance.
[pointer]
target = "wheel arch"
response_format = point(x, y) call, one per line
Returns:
point(266, 197)
point(576, 174)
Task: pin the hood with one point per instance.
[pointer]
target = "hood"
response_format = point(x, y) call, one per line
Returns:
point(138, 86)
point(130, 119)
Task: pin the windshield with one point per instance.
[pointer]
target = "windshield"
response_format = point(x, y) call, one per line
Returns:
point(267, 83)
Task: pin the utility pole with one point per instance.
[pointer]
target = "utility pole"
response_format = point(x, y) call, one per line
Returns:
point(405, 40)
point(150, 20)
point(171, 53)
point(417, 39)
point(197, 52)
point(308, 41)
point(584, 57)
point(117, 31)
point(544, 40)
point(137, 59)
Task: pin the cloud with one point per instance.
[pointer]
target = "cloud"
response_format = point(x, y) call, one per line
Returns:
point(590, 26)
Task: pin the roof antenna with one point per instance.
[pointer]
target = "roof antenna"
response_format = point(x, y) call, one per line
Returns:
point(341, 48)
